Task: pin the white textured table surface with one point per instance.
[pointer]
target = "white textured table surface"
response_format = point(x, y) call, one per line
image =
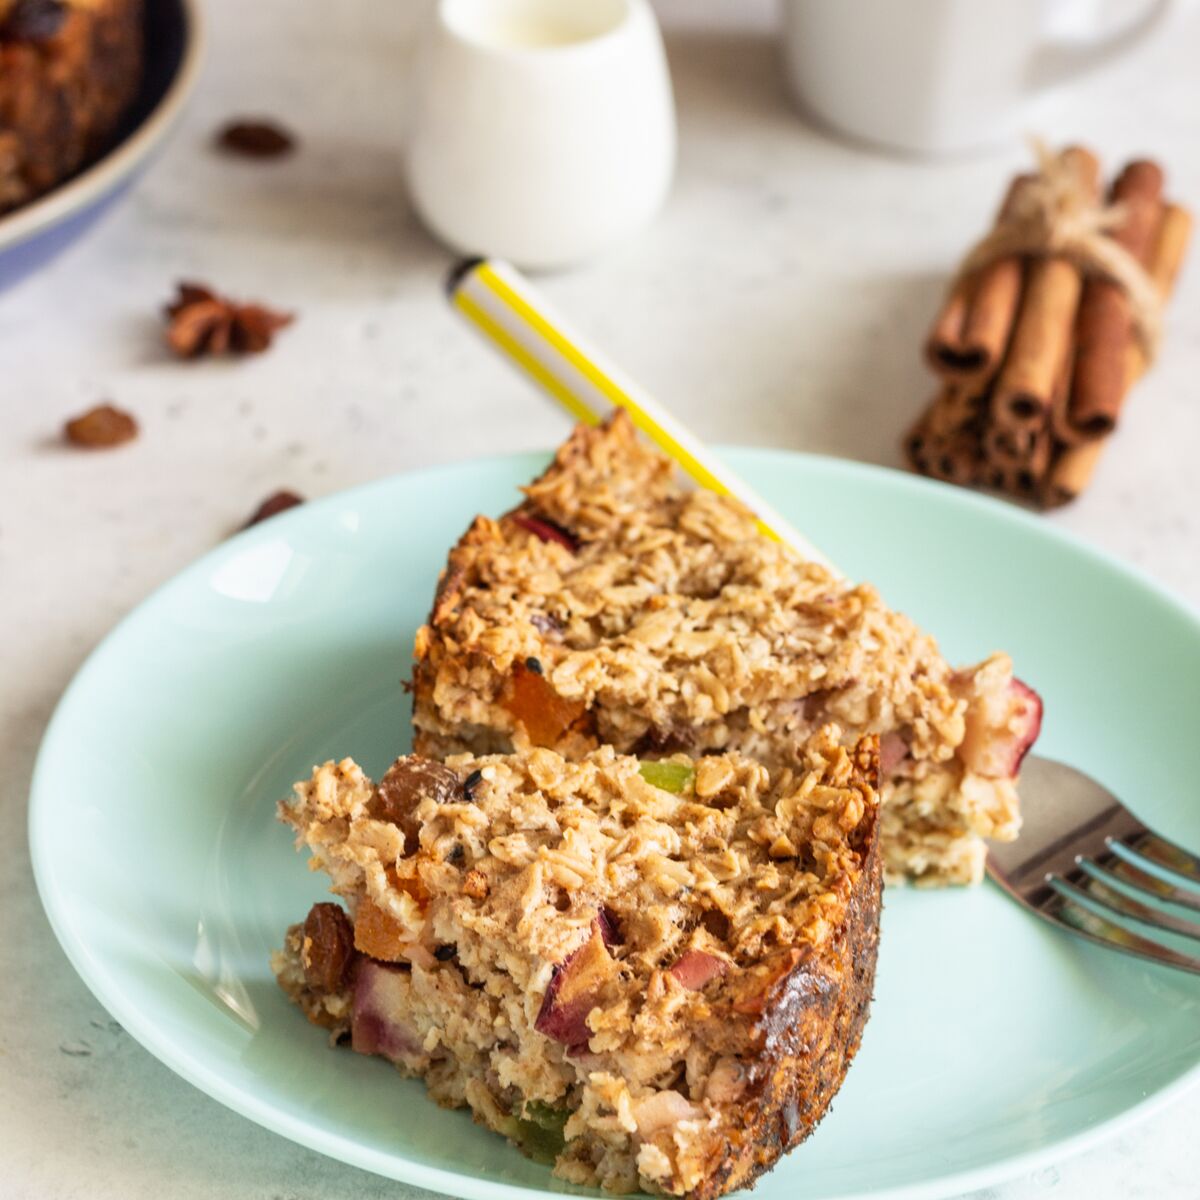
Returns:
point(779, 300)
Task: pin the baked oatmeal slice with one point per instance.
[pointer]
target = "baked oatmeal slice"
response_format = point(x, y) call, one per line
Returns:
point(616, 606)
point(653, 975)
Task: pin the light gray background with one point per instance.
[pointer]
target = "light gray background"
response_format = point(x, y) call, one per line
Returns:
point(779, 300)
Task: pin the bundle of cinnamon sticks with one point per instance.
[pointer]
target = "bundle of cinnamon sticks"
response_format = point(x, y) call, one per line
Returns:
point(1036, 351)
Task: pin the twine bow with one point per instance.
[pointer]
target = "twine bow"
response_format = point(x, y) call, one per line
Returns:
point(1055, 214)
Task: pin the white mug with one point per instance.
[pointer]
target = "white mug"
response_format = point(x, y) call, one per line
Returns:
point(541, 131)
point(937, 76)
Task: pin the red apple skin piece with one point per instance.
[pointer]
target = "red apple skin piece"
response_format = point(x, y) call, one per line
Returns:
point(995, 744)
point(695, 969)
point(1029, 715)
point(573, 990)
point(893, 750)
point(610, 929)
point(374, 1028)
point(545, 530)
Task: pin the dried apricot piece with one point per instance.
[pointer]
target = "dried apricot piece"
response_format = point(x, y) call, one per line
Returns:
point(378, 933)
point(545, 714)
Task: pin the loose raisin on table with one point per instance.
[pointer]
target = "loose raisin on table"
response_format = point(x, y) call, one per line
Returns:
point(276, 502)
point(328, 947)
point(256, 139)
point(101, 427)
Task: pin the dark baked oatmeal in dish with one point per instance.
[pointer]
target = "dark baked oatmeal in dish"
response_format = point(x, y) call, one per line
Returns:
point(69, 70)
point(617, 607)
point(652, 974)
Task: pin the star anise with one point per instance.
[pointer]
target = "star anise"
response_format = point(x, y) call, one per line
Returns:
point(201, 322)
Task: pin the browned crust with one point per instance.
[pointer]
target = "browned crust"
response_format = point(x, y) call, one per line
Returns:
point(429, 648)
point(61, 99)
point(615, 439)
point(812, 1029)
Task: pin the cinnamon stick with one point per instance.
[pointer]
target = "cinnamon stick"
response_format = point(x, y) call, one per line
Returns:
point(1008, 448)
point(1027, 476)
point(1074, 465)
point(1064, 433)
point(1020, 456)
point(920, 445)
point(1071, 471)
point(956, 459)
point(1105, 329)
point(1041, 340)
point(1170, 247)
point(969, 337)
point(954, 410)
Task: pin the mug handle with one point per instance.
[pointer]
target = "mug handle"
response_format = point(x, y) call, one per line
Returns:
point(1063, 59)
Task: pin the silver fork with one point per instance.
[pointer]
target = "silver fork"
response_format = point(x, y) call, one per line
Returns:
point(1085, 863)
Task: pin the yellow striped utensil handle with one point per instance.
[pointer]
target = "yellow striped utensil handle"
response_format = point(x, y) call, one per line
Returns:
point(507, 310)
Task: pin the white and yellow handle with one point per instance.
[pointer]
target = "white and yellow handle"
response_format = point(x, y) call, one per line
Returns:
point(503, 306)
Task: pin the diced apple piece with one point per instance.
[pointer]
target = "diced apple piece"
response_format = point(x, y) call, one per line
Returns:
point(663, 1110)
point(610, 929)
point(727, 1081)
point(893, 750)
point(1000, 730)
point(695, 969)
point(574, 988)
point(375, 1024)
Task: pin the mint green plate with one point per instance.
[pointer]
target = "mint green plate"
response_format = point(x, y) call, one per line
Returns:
point(996, 1043)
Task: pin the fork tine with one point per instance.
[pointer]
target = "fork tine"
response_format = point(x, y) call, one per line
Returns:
point(1163, 853)
point(1099, 888)
point(1075, 916)
point(1131, 873)
point(1113, 866)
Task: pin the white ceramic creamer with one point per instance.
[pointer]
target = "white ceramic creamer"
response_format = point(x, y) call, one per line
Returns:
point(540, 131)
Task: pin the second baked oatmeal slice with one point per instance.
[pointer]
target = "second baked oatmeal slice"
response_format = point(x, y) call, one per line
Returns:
point(615, 606)
point(652, 975)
